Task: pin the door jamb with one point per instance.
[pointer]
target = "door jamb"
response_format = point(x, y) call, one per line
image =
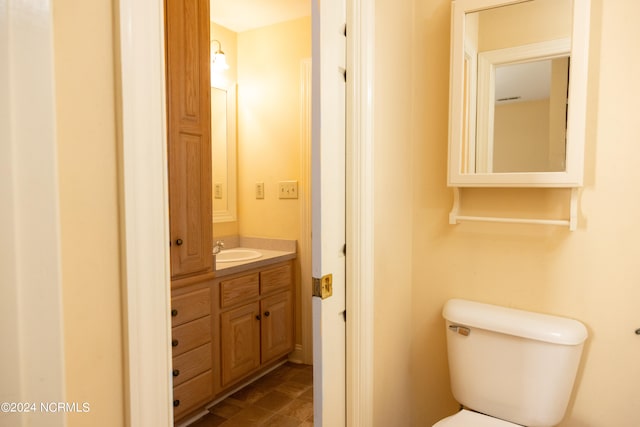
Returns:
point(144, 201)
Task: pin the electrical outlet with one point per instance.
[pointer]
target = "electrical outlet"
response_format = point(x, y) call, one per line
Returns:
point(288, 190)
point(217, 191)
point(259, 190)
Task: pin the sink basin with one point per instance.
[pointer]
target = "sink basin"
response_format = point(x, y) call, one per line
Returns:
point(235, 255)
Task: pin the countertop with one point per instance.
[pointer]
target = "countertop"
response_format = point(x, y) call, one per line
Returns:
point(268, 257)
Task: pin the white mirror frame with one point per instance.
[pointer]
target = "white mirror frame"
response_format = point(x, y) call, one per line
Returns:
point(576, 116)
point(231, 213)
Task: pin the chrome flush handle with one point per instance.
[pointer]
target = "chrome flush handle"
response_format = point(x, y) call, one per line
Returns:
point(462, 330)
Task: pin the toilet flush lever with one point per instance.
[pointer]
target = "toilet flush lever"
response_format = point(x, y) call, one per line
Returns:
point(462, 330)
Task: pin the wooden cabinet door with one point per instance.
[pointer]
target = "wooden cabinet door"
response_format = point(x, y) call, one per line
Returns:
point(240, 347)
point(277, 326)
point(189, 135)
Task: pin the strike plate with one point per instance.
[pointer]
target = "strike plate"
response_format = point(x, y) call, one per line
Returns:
point(323, 287)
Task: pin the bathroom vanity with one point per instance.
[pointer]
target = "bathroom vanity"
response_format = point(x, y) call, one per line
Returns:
point(230, 329)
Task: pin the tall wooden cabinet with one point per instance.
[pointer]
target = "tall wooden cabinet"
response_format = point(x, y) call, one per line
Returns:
point(190, 208)
point(189, 136)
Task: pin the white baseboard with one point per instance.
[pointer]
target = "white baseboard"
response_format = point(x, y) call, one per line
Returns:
point(297, 355)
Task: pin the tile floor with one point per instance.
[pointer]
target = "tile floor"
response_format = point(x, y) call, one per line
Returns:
point(282, 398)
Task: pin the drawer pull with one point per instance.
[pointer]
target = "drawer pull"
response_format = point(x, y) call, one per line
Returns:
point(179, 242)
point(174, 343)
point(174, 312)
point(267, 314)
point(176, 372)
point(176, 403)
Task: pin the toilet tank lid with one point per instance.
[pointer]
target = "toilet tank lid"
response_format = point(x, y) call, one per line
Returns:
point(510, 321)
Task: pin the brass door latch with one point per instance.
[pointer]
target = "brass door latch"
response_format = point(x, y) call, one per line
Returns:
point(322, 287)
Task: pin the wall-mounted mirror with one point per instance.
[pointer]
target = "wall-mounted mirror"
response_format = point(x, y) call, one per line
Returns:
point(223, 153)
point(518, 92)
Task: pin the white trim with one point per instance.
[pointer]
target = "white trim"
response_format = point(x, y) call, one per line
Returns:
point(360, 221)
point(31, 311)
point(306, 352)
point(145, 220)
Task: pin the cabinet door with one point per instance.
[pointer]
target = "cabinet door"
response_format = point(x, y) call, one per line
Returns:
point(189, 136)
point(240, 346)
point(277, 326)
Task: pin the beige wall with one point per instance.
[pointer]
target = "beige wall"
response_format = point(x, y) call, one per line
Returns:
point(521, 136)
point(591, 274)
point(86, 133)
point(524, 23)
point(393, 177)
point(269, 60)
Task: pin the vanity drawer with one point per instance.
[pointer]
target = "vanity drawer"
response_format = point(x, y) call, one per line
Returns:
point(240, 289)
point(191, 363)
point(191, 335)
point(275, 279)
point(193, 305)
point(189, 395)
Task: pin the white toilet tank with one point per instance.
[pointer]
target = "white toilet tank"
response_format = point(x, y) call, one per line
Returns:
point(512, 364)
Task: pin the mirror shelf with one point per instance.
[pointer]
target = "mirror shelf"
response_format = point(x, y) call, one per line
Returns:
point(455, 216)
point(474, 157)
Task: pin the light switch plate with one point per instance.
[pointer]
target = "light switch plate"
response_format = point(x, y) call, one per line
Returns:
point(288, 190)
point(259, 190)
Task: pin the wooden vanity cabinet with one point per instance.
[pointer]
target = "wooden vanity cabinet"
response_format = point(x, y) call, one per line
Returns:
point(256, 320)
point(191, 340)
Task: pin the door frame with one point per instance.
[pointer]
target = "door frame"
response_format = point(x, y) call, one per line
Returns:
point(144, 204)
point(31, 308)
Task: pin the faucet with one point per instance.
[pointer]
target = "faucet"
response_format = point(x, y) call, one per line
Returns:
point(218, 247)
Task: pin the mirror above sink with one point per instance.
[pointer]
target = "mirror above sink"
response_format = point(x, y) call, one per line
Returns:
point(518, 93)
point(223, 153)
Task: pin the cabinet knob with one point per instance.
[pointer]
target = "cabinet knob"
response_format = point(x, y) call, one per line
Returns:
point(176, 403)
point(174, 312)
point(258, 317)
point(176, 372)
point(174, 343)
point(267, 314)
point(179, 242)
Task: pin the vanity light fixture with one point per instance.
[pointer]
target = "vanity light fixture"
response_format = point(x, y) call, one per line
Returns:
point(218, 60)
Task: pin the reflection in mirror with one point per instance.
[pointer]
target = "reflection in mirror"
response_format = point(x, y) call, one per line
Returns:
point(511, 92)
point(514, 87)
point(530, 110)
point(223, 149)
point(219, 148)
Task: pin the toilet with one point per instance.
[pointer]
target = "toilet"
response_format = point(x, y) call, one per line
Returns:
point(509, 367)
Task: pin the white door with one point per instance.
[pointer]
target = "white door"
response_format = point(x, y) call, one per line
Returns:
point(328, 202)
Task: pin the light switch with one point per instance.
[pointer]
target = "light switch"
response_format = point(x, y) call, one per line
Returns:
point(288, 190)
point(259, 190)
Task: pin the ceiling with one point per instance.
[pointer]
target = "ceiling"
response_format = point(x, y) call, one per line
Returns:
point(243, 15)
point(527, 81)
